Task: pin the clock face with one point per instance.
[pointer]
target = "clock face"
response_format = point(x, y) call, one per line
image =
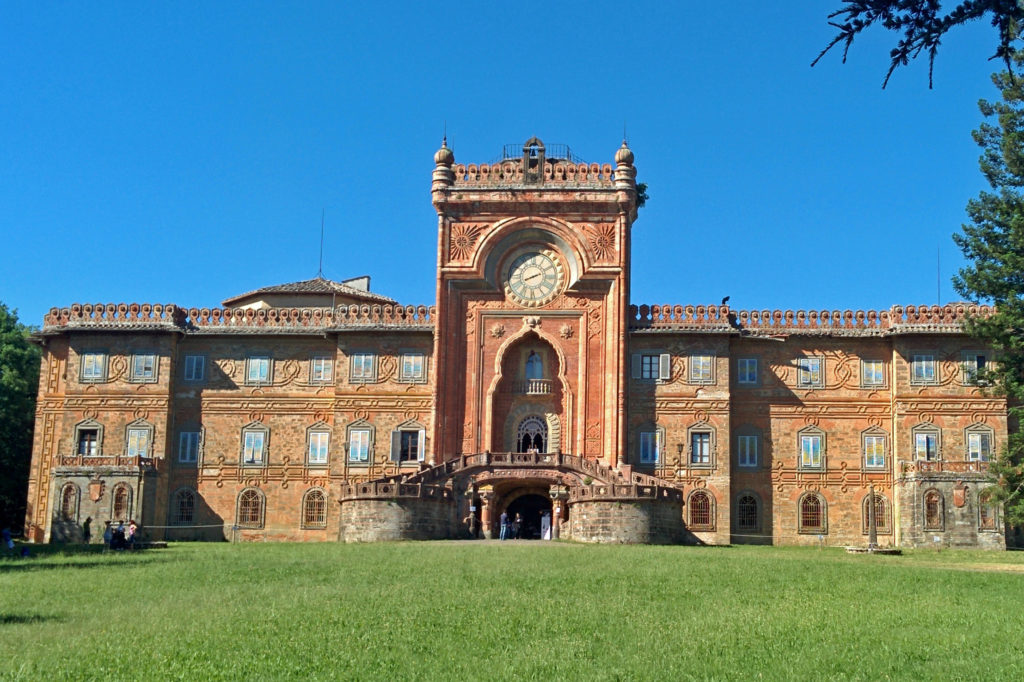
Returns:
point(534, 278)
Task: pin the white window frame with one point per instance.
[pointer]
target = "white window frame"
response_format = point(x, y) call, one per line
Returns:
point(747, 447)
point(194, 368)
point(646, 440)
point(920, 434)
point(651, 366)
point(362, 367)
point(747, 371)
point(255, 446)
point(809, 456)
point(144, 368)
point(872, 373)
point(259, 370)
point(93, 368)
point(970, 365)
point(924, 370)
point(321, 369)
point(874, 444)
point(810, 372)
point(357, 454)
point(974, 438)
point(188, 446)
point(412, 367)
point(702, 368)
point(319, 447)
point(138, 432)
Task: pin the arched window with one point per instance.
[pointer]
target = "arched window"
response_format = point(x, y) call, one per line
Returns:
point(534, 366)
point(532, 435)
point(121, 510)
point(183, 509)
point(988, 511)
point(69, 502)
point(883, 519)
point(314, 510)
point(747, 513)
point(701, 507)
point(250, 509)
point(813, 516)
point(934, 516)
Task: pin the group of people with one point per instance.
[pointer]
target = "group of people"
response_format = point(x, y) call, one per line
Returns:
point(119, 537)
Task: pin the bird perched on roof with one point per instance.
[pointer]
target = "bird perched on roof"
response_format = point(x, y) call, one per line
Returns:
point(725, 300)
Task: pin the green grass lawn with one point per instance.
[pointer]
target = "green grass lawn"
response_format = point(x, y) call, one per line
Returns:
point(481, 611)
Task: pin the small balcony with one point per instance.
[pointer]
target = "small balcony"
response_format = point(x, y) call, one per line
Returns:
point(531, 387)
point(105, 461)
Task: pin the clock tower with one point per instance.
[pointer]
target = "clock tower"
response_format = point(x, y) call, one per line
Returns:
point(532, 299)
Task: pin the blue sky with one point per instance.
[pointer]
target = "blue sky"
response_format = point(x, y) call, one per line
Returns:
point(182, 152)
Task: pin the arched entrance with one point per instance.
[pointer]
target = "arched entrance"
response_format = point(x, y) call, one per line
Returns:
point(532, 435)
point(531, 506)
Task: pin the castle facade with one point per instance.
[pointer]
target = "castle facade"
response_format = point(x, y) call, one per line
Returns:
point(321, 411)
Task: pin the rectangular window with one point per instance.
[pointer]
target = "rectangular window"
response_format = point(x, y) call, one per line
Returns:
point(94, 367)
point(651, 366)
point(254, 446)
point(144, 367)
point(702, 369)
point(872, 373)
point(922, 369)
point(321, 370)
point(700, 448)
point(195, 367)
point(364, 367)
point(810, 452)
point(318, 446)
point(746, 371)
point(409, 450)
point(138, 442)
point(257, 370)
point(808, 373)
point(650, 447)
point(746, 451)
point(972, 363)
point(412, 367)
point(874, 452)
point(979, 447)
point(358, 445)
point(926, 446)
point(89, 442)
point(188, 447)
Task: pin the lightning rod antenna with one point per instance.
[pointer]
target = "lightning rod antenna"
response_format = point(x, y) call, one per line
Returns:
point(320, 270)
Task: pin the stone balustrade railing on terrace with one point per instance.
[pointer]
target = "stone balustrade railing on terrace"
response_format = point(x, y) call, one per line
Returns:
point(555, 173)
point(947, 318)
point(942, 466)
point(158, 316)
point(131, 461)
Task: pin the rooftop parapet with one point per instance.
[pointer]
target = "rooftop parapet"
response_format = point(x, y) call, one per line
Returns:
point(145, 316)
point(720, 318)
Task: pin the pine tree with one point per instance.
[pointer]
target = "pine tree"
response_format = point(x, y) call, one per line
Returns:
point(19, 381)
point(993, 242)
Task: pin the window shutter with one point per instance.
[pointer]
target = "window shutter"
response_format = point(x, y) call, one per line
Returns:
point(422, 444)
point(396, 445)
point(635, 366)
point(665, 367)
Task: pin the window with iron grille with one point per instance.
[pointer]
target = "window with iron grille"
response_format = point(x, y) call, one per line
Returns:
point(184, 508)
point(314, 510)
point(934, 517)
point(987, 511)
point(69, 502)
point(250, 509)
point(747, 516)
point(122, 503)
point(883, 521)
point(701, 511)
point(812, 514)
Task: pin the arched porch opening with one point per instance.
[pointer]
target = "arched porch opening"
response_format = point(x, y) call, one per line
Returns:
point(527, 402)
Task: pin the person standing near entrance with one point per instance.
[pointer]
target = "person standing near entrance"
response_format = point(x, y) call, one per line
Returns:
point(517, 527)
point(87, 529)
point(503, 521)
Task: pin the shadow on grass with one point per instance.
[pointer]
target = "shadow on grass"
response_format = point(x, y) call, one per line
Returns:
point(13, 619)
point(64, 561)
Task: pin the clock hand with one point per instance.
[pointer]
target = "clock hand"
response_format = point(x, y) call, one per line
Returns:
point(532, 278)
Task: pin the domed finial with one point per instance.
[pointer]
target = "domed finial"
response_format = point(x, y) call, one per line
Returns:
point(624, 157)
point(444, 156)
